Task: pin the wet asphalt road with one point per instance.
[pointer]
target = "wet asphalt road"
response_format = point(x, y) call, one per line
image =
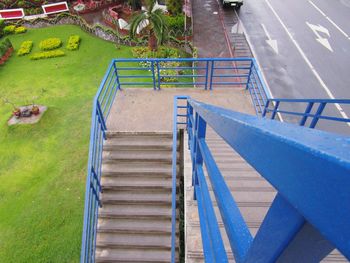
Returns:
point(303, 48)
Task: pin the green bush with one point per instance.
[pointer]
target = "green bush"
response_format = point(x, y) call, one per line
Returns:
point(20, 30)
point(73, 42)
point(176, 23)
point(9, 29)
point(162, 52)
point(26, 48)
point(2, 25)
point(174, 6)
point(47, 54)
point(50, 44)
point(4, 46)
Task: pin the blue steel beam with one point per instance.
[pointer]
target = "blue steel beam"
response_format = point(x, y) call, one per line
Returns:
point(310, 168)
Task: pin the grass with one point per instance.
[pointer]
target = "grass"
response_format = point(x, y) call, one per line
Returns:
point(43, 166)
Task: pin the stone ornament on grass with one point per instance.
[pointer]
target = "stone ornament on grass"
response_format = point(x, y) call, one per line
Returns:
point(28, 115)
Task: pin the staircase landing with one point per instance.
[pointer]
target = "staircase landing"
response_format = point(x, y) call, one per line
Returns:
point(149, 110)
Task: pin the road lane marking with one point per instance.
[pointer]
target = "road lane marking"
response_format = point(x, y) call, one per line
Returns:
point(272, 42)
point(302, 53)
point(323, 41)
point(330, 20)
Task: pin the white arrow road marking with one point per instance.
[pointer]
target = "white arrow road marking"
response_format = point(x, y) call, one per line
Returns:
point(323, 41)
point(308, 62)
point(273, 43)
point(330, 20)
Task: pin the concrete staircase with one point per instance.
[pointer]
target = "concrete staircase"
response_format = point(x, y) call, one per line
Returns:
point(134, 223)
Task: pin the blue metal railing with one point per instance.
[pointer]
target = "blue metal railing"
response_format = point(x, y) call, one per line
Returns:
point(201, 72)
point(101, 107)
point(313, 110)
point(310, 171)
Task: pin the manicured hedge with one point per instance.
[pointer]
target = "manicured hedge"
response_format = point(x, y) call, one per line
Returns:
point(26, 48)
point(20, 30)
point(50, 44)
point(9, 29)
point(73, 42)
point(47, 54)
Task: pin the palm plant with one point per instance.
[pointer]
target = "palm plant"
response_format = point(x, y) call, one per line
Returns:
point(156, 24)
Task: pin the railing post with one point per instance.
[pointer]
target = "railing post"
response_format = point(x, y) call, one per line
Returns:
point(212, 74)
point(317, 115)
point(307, 111)
point(249, 74)
point(158, 74)
point(101, 119)
point(266, 108)
point(206, 74)
point(275, 110)
point(153, 75)
point(116, 75)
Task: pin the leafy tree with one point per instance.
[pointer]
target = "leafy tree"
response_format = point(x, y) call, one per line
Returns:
point(157, 27)
point(174, 6)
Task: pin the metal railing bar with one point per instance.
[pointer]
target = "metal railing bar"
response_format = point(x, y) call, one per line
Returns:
point(216, 244)
point(309, 115)
point(236, 228)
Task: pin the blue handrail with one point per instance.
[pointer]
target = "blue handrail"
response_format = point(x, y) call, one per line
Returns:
point(310, 171)
point(101, 107)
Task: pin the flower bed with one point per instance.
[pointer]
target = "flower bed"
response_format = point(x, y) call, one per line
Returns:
point(47, 54)
point(26, 48)
point(73, 42)
point(50, 44)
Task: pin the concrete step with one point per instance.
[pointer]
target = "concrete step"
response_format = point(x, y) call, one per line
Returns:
point(135, 211)
point(132, 225)
point(134, 240)
point(117, 134)
point(138, 143)
point(121, 255)
point(160, 156)
point(129, 183)
point(137, 168)
point(137, 197)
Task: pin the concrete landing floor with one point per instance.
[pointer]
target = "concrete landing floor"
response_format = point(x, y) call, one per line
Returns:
point(136, 109)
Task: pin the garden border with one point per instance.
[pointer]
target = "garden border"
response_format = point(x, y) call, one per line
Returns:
point(97, 30)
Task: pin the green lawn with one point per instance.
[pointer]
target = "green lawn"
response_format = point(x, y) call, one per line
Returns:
point(43, 166)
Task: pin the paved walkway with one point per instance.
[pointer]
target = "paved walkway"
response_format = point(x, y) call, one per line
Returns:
point(208, 31)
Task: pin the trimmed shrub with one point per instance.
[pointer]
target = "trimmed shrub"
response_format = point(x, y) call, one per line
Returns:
point(176, 23)
point(50, 44)
point(47, 54)
point(26, 48)
point(9, 29)
point(162, 52)
point(20, 30)
point(73, 42)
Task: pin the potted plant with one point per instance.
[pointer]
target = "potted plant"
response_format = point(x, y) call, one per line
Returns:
point(35, 110)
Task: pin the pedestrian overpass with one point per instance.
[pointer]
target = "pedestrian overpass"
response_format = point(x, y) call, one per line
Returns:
point(261, 190)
